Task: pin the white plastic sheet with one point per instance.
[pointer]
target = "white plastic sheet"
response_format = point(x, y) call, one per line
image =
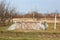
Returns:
point(13, 26)
point(35, 26)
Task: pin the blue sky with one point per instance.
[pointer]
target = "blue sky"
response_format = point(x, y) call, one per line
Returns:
point(43, 6)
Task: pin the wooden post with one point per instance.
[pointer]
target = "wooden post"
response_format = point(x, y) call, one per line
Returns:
point(55, 23)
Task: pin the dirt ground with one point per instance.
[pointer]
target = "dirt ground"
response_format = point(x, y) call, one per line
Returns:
point(48, 20)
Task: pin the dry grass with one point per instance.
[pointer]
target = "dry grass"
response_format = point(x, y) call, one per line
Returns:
point(49, 34)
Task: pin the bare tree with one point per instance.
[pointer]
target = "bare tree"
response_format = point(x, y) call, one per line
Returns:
point(5, 13)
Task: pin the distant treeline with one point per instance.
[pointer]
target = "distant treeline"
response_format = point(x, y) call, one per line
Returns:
point(38, 15)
